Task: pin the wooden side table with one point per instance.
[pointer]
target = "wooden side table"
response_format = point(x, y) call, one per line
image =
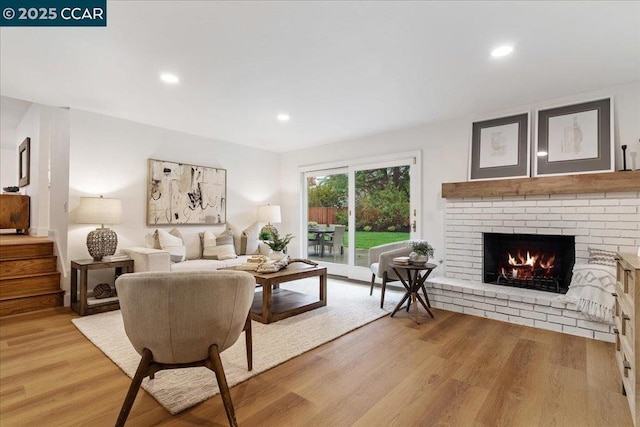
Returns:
point(415, 277)
point(83, 305)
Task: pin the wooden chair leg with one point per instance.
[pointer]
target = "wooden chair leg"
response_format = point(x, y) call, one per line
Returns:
point(384, 288)
point(214, 355)
point(373, 281)
point(141, 372)
point(248, 342)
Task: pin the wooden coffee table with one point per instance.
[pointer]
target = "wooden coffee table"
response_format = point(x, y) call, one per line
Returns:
point(273, 304)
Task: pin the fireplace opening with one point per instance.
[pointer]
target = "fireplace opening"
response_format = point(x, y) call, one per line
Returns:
point(533, 261)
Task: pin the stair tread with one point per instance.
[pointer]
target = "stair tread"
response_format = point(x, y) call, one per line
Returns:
point(34, 294)
point(29, 275)
point(27, 258)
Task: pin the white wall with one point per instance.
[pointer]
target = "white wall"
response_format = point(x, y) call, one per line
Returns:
point(445, 148)
point(59, 187)
point(108, 156)
point(8, 167)
point(34, 125)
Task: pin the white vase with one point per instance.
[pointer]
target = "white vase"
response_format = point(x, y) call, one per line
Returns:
point(277, 255)
point(418, 259)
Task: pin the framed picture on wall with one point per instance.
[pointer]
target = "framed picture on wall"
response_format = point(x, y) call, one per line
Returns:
point(24, 162)
point(575, 138)
point(500, 148)
point(179, 193)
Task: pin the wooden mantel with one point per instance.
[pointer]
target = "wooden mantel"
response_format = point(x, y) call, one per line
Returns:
point(566, 184)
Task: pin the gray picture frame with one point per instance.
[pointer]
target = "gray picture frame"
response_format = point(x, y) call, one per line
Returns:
point(575, 139)
point(185, 194)
point(510, 141)
point(24, 163)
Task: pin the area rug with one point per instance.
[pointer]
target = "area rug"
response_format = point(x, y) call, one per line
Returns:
point(349, 306)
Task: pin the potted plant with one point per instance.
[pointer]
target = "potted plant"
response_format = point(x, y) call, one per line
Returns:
point(278, 244)
point(421, 252)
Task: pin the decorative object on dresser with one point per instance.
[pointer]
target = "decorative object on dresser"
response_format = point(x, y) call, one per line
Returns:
point(99, 210)
point(575, 139)
point(185, 194)
point(500, 148)
point(14, 212)
point(24, 162)
point(626, 318)
point(268, 214)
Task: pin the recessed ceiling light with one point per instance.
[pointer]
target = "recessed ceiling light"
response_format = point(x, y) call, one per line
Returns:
point(283, 117)
point(501, 51)
point(542, 153)
point(169, 78)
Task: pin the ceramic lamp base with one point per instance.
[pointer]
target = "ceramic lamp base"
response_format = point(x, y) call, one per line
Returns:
point(101, 242)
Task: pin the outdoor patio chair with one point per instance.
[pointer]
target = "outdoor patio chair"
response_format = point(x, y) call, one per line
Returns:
point(335, 239)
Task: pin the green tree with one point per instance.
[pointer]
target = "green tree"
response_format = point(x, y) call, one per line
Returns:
point(328, 191)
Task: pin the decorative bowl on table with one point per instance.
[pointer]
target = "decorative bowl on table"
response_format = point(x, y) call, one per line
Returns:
point(12, 189)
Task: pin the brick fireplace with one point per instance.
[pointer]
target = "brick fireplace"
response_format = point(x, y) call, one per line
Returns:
point(608, 220)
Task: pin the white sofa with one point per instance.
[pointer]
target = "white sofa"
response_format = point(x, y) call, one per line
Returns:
point(153, 257)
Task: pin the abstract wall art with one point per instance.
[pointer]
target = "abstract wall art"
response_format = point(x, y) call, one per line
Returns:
point(178, 193)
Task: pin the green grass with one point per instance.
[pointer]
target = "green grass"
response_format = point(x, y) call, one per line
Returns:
point(369, 239)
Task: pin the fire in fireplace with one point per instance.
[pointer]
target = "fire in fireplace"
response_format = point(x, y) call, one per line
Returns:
point(542, 262)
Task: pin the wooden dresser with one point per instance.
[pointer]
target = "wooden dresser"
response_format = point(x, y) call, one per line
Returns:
point(627, 323)
point(14, 212)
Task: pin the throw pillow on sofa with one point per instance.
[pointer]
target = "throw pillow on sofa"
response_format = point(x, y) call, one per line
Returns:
point(236, 233)
point(191, 242)
point(173, 245)
point(250, 240)
point(218, 246)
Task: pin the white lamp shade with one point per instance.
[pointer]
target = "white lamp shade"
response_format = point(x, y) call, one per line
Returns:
point(98, 210)
point(269, 214)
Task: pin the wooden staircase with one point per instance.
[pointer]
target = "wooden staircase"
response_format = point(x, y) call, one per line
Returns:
point(29, 279)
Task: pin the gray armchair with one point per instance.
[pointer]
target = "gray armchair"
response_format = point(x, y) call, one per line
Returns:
point(182, 320)
point(379, 259)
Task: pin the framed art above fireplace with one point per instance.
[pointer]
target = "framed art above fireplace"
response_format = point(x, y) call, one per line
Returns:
point(575, 138)
point(500, 148)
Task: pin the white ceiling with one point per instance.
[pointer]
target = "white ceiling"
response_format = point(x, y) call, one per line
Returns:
point(340, 69)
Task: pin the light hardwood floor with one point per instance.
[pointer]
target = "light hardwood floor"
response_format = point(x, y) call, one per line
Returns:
point(454, 370)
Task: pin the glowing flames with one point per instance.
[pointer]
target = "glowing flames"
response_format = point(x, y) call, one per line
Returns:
point(522, 266)
point(529, 260)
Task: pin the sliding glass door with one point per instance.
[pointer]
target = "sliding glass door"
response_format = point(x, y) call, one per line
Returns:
point(349, 209)
point(382, 208)
point(327, 215)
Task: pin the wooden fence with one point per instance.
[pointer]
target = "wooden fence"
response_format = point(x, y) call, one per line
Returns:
point(323, 215)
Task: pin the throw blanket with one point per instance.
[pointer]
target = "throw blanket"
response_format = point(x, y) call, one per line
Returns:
point(591, 288)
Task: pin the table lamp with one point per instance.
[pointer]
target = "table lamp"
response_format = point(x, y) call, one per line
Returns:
point(98, 210)
point(269, 214)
